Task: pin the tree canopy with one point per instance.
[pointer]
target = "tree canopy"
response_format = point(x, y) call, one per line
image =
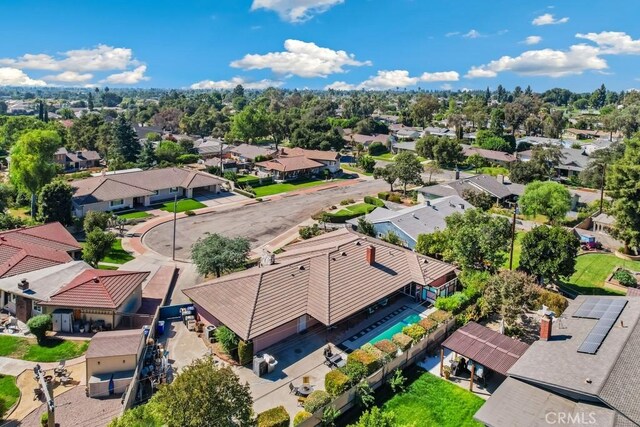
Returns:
point(547, 198)
point(549, 252)
point(218, 254)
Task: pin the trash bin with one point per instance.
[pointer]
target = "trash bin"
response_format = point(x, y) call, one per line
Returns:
point(145, 330)
point(160, 327)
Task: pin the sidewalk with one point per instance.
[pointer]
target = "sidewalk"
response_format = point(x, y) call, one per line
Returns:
point(15, 367)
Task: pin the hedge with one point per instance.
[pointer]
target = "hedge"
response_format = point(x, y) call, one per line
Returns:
point(336, 382)
point(245, 352)
point(415, 331)
point(402, 341)
point(301, 417)
point(439, 316)
point(395, 198)
point(383, 195)
point(316, 400)
point(387, 347)
point(374, 201)
point(429, 325)
point(274, 417)
point(369, 360)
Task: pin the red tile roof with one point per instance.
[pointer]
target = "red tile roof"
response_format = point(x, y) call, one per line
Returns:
point(52, 235)
point(98, 289)
point(290, 164)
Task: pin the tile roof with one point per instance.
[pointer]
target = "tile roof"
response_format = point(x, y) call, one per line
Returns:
point(44, 282)
point(499, 156)
point(52, 235)
point(115, 343)
point(326, 277)
point(289, 164)
point(310, 154)
point(249, 151)
point(98, 289)
point(487, 347)
point(359, 138)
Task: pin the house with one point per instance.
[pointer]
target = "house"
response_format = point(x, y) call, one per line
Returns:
point(405, 146)
point(76, 160)
point(583, 368)
point(596, 145)
point(208, 148)
point(539, 140)
point(408, 134)
point(498, 157)
point(496, 187)
point(572, 162)
point(330, 159)
point(109, 192)
point(410, 222)
point(438, 131)
point(325, 280)
point(366, 140)
point(112, 357)
point(591, 134)
point(294, 163)
point(247, 153)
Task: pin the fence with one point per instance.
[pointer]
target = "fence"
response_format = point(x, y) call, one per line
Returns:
point(417, 352)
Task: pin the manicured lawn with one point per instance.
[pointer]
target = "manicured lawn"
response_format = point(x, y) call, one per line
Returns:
point(360, 208)
point(183, 205)
point(387, 157)
point(9, 392)
point(350, 168)
point(271, 189)
point(117, 254)
point(493, 170)
point(593, 269)
point(134, 215)
point(106, 267)
point(52, 350)
point(432, 401)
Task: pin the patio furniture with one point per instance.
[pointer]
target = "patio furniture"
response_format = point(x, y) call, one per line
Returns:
point(65, 379)
point(293, 389)
point(301, 400)
point(336, 361)
point(305, 389)
point(306, 380)
point(60, 367)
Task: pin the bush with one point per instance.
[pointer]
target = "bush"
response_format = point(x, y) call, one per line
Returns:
point(453, 303)
point(96, 219)
point(402, 341)
point(336, 382)
point(187, 158)
point(44, 419)
point(556, 302)
point(39, 325)
point(384, 195)
point(395, 198)
point(245, 352)
point(415, 331)
point(228, 340)
point(316, 400)
point(428, 325)
point(369, 360)
point(301, 417)
point(274, 417)
point(309, 232)
point(625, 278)
point(189, 213)
point(439, 316)
point(377, 149)
point(374, 201)
point(347, 202)
point(355, 371)
point(387, 347)
point(375, 352)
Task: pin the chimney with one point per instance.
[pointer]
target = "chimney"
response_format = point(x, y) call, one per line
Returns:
point(23, 285)
point(371, 255)
point(545, 327)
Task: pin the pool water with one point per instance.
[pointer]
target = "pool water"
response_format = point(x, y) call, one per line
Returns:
point(388, 333)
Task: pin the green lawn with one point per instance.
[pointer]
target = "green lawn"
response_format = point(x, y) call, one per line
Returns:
point(387, 157)
point(517, 250)
point(117, 255)
point(493, 170)
point(360, 209)
point(106, 267)
point(52, 350)
point(593, 269)
point(350, 168)
point(183, 205)
point(9, 392)
point(134, 215)
point(432, 401)
point(271, 189)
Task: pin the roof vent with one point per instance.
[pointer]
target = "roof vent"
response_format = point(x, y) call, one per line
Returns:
point(3, 238)
point(588, 380)
point(301, 268)
point(343, 254)
point(358, 243)
point(95, 279)
point(462, 206)
point(425, 261)
point(23, 285)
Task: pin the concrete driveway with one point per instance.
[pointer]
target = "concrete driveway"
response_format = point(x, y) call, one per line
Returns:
point(219, 199)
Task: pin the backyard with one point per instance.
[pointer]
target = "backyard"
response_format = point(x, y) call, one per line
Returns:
point(271, 189)
point(182, 205)
point(9, 392)
point(117, 255)
point(52, 350)
point(592, 270)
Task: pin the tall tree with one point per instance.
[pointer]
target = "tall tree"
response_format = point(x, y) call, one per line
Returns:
point(508, 293)
point(388, 174)
point(32, 165)
point(126, 140)
point(96, 246)
point(547, 198)
point(549, 253)
point(147, 156)
point(408, 169)
point(423, 109)
point(54, 203)
point(448, 152)
point(218, 254)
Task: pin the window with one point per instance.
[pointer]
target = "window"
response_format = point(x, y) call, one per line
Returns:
point(116, 202)
point(173, 190)
point(37, 308)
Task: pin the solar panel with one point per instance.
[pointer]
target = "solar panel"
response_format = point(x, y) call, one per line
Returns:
point(606, 311)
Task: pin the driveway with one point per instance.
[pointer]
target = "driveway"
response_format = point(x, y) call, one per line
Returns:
point(259, 222)
point(220, 199)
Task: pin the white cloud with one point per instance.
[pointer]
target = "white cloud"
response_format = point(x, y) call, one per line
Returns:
point(232, 83)
point(446, 86)
point(296, 10)
point(613, 42)
point(441, 76)
point(473, 34)
point(14, 77)
point(340, 86)
point(452, 33)
point(549, 19)
point(100, 58)
point(127, 77)
point(531, 40)
point(545, 62)
point(301, 59)
point(69, 77)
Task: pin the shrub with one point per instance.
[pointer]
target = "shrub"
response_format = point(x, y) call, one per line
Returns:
point(395, 198)
point(556, 302)
point(189, 213)
point(274, 417)
point(415, 331)
point(96, 219)
point(301, 417)
point(387, 347)
point(369, 360)
point(245, 352)
point(316, 400)
point(187, 158)
point(347, 202)
point(625, 278)
point(377, 148)
point(376, 352)
point(244, 193)
point(439, 316)
point(336, 382)
point(384, 195)
point(428, 325)
point(402, 341)
point(374, 201)
point(227, 339)
point(309, 232)
point(453, 303)
point(355, 371)
point(44, 419)
point(39, 325)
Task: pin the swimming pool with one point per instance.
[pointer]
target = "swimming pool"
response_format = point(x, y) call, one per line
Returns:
point(388, 333)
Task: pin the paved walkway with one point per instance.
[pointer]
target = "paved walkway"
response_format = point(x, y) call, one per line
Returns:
point(15, 367)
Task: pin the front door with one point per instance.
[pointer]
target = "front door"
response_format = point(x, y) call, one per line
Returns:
point(302, 323)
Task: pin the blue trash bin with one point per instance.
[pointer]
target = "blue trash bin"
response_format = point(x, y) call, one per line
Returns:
point(160, 327)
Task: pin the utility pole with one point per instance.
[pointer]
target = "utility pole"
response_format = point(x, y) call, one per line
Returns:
point(46, 386)
point(513, 234)
point(175, 213)
point(604, 172)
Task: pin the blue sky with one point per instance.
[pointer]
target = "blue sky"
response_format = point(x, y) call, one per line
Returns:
point(344, 44)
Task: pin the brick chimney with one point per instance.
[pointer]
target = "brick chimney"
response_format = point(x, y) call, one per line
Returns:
point(371, 255)
point(545, 327)
point(23, 285)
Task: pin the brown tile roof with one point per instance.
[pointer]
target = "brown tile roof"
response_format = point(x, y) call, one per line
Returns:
point(487, 347)
point(98, 289)
point(115, 343)
point(138, 184)
point(500, 156)
point(310, 154)
point(358, 138)
point(327, 277)
point(290, 164)
point(52, 235)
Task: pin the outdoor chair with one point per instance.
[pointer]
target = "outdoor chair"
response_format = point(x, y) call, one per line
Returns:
point(293, 389)
point(65, 379)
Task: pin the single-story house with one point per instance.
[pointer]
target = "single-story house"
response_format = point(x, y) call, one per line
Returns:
point(216, 162)
point(591, 134)
point(540, 140)
point(572, 162)
point(139, 188)
point(386, 118)
point(596, 145)
point(112, 357)
point(496, 187)
point(330, 159)
point(438, 131)
point(581, 371)
point(405, 146)
point(209, 148)
point(247, 153)
point(77, 160)
point(289, 168)
point(324, 280)
point(366, 140)
point(498, 157)
point(408, 134)
point(409, 223)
